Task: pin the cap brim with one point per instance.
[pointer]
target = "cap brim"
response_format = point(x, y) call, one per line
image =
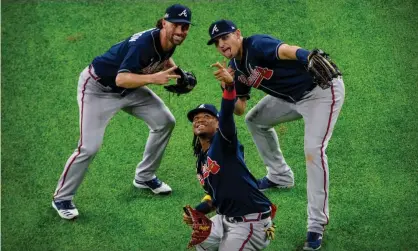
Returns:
point(192, 113)
point(212, 40)
point(178, 21)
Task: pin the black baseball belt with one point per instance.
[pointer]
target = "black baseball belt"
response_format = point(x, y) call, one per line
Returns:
point(237, 219)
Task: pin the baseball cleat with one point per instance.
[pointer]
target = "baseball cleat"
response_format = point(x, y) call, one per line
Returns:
point(156, 186)
point(66, 209)
point(264, 184)
point(313, 241)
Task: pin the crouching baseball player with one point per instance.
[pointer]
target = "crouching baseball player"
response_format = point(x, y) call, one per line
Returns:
point(244, 214)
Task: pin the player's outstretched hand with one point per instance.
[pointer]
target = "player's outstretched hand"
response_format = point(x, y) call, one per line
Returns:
point(223, 74)
point(163, 77)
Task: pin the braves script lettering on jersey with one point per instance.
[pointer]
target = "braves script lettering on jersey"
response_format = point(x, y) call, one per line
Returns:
point(256, 76)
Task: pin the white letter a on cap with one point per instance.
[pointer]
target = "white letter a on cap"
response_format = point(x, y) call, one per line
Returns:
point(183, 13)
point(215, 29)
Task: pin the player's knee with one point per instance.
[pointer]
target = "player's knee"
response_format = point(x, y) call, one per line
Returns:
point(254, 124)
point(249, 119)
point(253, 117)
point(312, 150)
point(90, 149)
point(170, 122)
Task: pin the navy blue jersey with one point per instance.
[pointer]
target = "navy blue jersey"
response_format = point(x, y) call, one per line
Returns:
point(224, 174)
point(141, 53)
point(261, 68)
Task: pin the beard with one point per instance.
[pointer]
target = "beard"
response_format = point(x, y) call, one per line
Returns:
point(176, 39)
point(204, 135)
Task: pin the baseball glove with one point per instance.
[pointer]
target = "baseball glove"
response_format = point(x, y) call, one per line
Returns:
point(201, 226)
point(322, 69)
point(185, 83)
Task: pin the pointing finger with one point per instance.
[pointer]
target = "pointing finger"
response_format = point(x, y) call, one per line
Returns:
point(173, 76)
point(171, 69)
point(218, 65)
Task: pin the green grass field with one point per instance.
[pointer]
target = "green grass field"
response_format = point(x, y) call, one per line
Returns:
point(372, 155)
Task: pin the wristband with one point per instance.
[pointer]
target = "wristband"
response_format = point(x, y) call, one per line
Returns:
point(204, 207)
point(302, 55)
point(229, 92)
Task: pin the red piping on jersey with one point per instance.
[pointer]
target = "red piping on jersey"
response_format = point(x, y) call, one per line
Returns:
point(322, 151)
point(248, 238)
point(81, 138)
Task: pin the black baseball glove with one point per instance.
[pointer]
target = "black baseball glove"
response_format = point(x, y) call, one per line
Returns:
point(322, 69)
point(185, 83)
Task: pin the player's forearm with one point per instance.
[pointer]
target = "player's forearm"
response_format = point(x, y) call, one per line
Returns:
point(240, 106)
point(292, 52)
point(132, 80)
point(170, 63)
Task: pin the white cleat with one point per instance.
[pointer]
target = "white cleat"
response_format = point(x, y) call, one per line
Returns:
point(66, 209)
point(156, 186)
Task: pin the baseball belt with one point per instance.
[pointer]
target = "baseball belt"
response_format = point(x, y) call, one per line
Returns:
point(237, 219)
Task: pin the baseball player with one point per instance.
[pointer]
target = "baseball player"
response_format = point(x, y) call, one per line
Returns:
point(243, 212)
point(280, 70)
point(117, 80)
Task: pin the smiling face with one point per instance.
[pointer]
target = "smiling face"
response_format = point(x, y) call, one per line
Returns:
point(229, 45)
point(204, 125)
point(176, 33)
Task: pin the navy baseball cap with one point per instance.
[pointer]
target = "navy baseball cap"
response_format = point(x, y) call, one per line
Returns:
point(220, 28)
point(211, 109)
point(178, 13)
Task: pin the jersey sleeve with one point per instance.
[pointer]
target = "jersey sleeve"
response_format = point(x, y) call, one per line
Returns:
point(243, 90)
point(226, 116)
point(266, 47)
point(137, 54)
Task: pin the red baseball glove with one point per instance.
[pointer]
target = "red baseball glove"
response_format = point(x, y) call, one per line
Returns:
point(201, 226)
